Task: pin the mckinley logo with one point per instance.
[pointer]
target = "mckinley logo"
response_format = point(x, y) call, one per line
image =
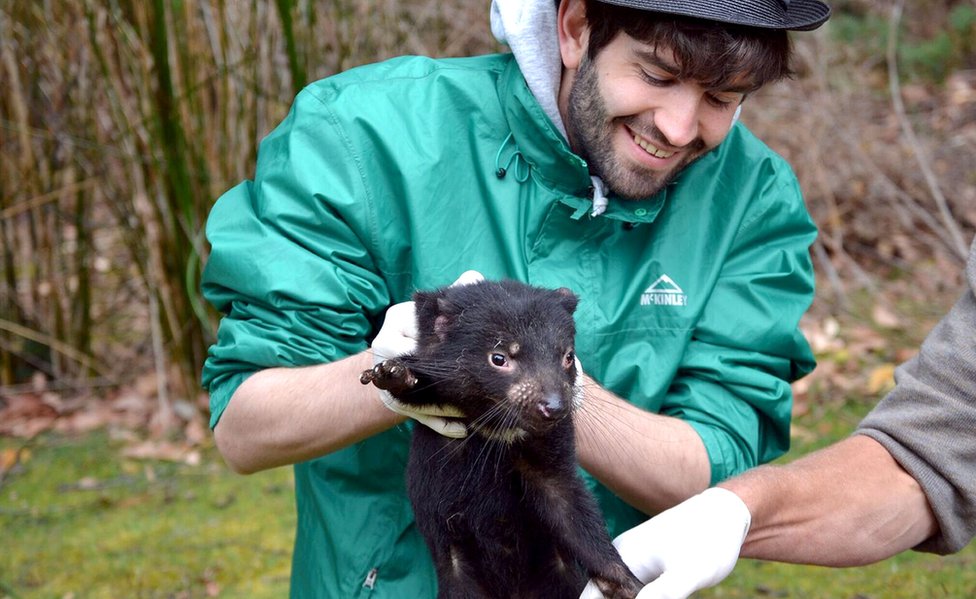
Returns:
point(664, 292)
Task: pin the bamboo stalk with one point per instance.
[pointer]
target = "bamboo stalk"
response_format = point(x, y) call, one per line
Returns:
point(13, 102)
point(298, 77)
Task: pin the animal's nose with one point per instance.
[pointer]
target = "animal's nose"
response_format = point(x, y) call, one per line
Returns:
point(552, 406)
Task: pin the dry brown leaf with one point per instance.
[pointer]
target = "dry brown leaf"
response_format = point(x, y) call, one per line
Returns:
point(92, 418)
point(147, 384)
point(163, 450)
point(864, 340)
point(802, 433)
point(26, 415)
point(25, 405)
point(904, 354)
point(10, 457)
point(87, 483)
point(822, 335)
point(882, 378)
point(885, 317)
point(195, 432)
point(154, 450)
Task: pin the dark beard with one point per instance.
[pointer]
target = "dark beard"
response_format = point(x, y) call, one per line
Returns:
point(591, 133)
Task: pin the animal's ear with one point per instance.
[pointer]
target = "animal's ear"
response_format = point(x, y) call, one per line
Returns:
point(567, 299)
point(435, 313)
point(447, 313)
point(425, 305)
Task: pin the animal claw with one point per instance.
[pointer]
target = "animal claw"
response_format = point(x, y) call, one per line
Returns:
point(389, 375)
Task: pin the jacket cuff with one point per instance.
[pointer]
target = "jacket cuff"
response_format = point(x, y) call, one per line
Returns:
point(726, 457)
point(221, 390)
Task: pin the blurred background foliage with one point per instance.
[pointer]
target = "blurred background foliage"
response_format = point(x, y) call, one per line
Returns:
point(121, 121)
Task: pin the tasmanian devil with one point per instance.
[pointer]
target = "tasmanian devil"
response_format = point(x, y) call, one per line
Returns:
point(503, 510)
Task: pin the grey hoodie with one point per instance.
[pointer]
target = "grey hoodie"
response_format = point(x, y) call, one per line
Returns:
point(928, 421)
point(529, 29)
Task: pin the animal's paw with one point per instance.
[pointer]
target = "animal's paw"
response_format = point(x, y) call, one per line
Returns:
point(612, 590)
point(390, 375)
point(619, 583)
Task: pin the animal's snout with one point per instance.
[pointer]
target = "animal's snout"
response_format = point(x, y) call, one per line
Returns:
point(552, 406)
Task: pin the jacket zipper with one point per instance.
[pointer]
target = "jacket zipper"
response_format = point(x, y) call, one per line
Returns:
point(370, 581)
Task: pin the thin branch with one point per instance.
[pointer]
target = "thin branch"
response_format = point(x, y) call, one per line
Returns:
point(55, 344)
point(826, 266)
point(957, 243)
point(50, 196)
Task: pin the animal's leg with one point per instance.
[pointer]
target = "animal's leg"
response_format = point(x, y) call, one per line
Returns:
point(573, 516)
point(455, 576)
point(558, 578)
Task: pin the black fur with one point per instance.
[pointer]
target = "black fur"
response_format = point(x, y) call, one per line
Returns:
point(504, 510)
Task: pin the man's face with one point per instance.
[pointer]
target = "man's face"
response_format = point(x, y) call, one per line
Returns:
point(636, 124)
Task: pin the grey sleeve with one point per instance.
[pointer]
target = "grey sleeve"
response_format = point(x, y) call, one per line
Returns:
point(928, 421)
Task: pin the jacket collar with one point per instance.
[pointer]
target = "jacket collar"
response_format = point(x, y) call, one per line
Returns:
point(548, 158)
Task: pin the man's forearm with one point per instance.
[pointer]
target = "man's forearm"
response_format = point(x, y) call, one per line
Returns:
point(282, 416)
point(846, 505)
point(651, 461)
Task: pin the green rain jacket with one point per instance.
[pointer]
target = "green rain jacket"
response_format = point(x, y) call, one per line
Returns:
point(383, 180)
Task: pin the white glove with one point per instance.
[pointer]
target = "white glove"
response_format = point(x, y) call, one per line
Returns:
point(689, 547)
point(398, 336)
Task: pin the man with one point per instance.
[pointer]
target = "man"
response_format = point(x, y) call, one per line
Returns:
point(620, 174)
point(904, 480)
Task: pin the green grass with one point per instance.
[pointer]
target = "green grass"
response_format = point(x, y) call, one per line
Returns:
point(80, 521)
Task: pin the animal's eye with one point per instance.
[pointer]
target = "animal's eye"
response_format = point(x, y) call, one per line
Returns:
point(569, 359)
point(498, 359)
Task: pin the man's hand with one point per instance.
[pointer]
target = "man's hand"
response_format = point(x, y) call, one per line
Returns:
point(689, 547)
point(684, 549)
point(398, 336)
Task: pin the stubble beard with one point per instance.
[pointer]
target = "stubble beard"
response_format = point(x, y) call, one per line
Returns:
point(591, 131)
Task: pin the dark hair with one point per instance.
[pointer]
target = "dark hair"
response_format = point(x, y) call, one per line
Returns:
point(711, 53)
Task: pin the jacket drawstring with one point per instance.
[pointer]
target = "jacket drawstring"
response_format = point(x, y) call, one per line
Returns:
point(600, 200)
point(523, 170)
point(521, 165)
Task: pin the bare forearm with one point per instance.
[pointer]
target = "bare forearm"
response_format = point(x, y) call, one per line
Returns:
point(847, 505)
point(651, 461)
point(281, 416)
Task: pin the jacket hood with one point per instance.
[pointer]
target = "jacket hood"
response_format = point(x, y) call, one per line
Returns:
point(528, 27)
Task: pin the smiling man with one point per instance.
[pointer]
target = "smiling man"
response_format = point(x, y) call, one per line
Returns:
point(603, 154)
point(641, 107)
